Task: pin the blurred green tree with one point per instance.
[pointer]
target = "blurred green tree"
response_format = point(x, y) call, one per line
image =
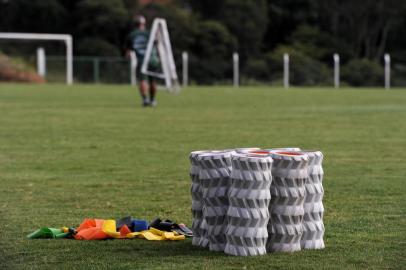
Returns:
point(210, 30)
point(304, 70)
point(211, 58)
point(102, 21)
point(365, 25)
point(246, 21)
point(363, 72)
point(33, 16)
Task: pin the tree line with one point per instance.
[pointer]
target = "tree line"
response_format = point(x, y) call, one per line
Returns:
point(311, 31)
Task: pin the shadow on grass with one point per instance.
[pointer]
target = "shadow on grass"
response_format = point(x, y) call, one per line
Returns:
point(163, 249)
point(121, 248)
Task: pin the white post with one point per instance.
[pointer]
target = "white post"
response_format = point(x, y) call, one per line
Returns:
point(185, 68)
point(387, 71)
point(69, 60)
point(236, 77)
point(41, 64)
point(336, 70)
point(286, 70)
point(133, 68)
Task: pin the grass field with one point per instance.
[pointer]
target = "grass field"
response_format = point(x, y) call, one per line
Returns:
point(68, 153)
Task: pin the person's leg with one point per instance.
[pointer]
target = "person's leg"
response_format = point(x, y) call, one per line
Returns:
point(152, 92)
point(143, 92)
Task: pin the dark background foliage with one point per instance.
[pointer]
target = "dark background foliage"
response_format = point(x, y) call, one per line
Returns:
point(261, 31)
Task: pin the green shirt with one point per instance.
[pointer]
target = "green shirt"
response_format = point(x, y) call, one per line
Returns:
point(137, 41)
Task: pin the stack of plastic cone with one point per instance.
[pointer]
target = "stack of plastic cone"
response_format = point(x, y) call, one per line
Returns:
point(214, 175)
point(289, 171)
point(249, 198)
point(197, 199)
point(313, 227)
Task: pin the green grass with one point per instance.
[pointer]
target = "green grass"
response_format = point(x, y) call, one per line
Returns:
point(67, 153)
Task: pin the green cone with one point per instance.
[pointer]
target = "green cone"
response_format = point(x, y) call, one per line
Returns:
point(48, 233)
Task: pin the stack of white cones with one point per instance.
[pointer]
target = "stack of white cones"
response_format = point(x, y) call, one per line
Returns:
point(197, 199)
point(214, 177)
point(290, 171)
point(313, 227)
point(249, 198)
point(248, 201)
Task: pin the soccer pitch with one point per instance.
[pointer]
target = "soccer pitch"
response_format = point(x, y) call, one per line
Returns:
point(68, 153)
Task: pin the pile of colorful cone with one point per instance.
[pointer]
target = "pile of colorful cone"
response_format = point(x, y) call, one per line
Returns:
point(124, 228)
point(249, 201)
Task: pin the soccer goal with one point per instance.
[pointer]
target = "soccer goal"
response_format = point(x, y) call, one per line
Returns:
point(67, 39)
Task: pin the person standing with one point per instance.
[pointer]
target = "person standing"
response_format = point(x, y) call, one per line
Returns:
point(137, 41)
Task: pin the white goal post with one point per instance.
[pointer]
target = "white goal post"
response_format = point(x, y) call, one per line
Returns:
point(56, 37)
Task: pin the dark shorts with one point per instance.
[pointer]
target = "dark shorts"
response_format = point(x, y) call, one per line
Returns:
point(144, 77)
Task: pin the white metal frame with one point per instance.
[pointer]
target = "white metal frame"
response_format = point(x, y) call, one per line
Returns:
point(160, 37)
point(57, 37)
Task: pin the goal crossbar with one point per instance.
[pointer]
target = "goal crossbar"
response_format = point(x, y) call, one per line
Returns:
point(57, 37)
